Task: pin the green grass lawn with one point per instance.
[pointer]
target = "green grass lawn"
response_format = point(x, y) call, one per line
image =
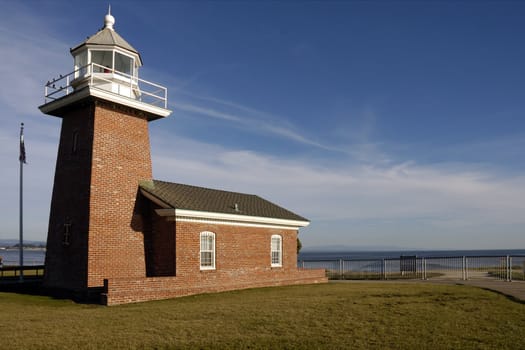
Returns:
point(8, 273)
point(330, 316)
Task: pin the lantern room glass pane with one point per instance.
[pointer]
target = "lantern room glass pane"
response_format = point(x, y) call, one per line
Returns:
point(123, 63)
point(80, 64)
point(103, 61)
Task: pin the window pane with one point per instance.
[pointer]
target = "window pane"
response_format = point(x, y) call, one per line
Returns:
point(276, 243)
point(123, 63)
point(102, 58)
point(207, 250)
point(206, 242)
point(276, 250)
point(206, 259)
point(80, 62)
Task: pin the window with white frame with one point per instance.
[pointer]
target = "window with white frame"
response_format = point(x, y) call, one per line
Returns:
point(81, 60)
point(277, 250)
point(123, 63)
point(103, 60)
point(207, 250)
point(108, 61)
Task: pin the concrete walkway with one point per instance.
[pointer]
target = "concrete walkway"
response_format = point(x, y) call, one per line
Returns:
point(514, 289)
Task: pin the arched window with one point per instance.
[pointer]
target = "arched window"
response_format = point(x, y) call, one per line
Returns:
point(207, 251)
point(277, 250)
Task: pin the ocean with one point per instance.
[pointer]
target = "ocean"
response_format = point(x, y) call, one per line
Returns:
point(31, 256)
point(371, 255)
point(36, 257)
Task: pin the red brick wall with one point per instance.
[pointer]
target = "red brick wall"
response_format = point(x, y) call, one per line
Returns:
point(66, 264)
point(159, 240)
point(242, 261)
point(239, 250)
point(121, 158)
point(95, 189)
point(132, 290)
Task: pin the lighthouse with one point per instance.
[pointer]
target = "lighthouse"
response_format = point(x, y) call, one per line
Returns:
point(117, 235)
point(95, 226)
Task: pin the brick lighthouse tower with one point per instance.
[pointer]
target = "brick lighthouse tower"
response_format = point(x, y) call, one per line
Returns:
point(95, 226)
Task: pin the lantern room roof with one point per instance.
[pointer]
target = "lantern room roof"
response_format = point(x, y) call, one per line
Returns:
point(107, 36)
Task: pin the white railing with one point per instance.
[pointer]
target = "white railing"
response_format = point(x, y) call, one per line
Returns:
point(107, 80)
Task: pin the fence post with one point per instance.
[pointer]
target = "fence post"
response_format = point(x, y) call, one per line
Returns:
point(506, 268)
point(424, 261)
point(383, 268)
point(509, 268)
point(341, 269)
point(463, 268)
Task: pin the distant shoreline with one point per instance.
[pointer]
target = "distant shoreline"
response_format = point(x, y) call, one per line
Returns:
point(350, 255)
point(10, 249)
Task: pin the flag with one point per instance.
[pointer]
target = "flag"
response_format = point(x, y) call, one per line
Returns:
point(22, 157)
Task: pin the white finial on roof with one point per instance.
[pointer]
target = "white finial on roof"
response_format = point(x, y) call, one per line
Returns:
point(109, 20)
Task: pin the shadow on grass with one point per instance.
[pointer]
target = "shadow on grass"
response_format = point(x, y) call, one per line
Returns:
point(506, 295)
point(29, 286)
point(33, 286)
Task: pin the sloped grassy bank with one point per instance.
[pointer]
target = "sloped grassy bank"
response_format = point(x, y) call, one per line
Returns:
point(331, 316)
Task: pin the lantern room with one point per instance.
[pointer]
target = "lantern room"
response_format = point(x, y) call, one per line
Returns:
point(109, 59)
point(106, 66)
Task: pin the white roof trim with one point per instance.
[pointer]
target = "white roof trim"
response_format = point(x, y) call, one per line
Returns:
point(105, 95)
point(230, 219)
point(231, 223)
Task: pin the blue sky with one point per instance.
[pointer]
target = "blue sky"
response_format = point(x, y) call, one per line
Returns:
point(395, 124)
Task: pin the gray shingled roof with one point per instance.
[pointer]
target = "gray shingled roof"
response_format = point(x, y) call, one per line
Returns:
point(179, 196)
point(109, 37)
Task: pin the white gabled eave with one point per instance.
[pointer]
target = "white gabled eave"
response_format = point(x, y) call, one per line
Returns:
point(230, 219)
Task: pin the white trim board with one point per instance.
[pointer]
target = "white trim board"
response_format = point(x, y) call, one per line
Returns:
point(230, 219)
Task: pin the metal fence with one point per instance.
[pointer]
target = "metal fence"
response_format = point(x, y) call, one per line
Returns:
point(507, 268)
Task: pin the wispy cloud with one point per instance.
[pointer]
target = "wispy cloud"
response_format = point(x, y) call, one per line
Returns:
point(27, 60)
point(421, 199)
point(41, 149)
point(30, 53)
point(364, 193)
point(253, 120)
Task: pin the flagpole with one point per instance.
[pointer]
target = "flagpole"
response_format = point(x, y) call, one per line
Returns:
point(22, 160)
